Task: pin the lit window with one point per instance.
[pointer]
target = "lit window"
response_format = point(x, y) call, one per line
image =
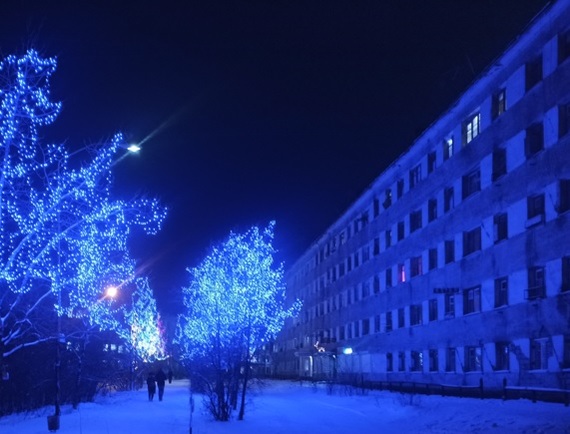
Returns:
point(447, 148)
point(471, 128)
point(401, 273)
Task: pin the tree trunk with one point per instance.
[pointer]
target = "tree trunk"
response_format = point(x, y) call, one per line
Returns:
point(245, 379)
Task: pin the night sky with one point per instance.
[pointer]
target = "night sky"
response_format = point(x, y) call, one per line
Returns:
point(255, 110)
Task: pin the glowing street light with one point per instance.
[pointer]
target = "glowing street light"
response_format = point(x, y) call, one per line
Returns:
point(134, 148)
point(111, 292)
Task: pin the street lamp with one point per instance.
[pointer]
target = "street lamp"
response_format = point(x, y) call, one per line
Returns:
point(134, 148)
point(111, 292)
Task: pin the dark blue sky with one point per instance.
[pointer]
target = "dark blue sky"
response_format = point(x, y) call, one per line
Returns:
point(282, 110)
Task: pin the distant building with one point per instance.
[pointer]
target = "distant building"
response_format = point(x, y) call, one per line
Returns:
point(454, 266)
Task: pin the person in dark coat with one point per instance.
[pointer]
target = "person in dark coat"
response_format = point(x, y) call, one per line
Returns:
point(160, 380)
point(169, 376)
point(151, 385)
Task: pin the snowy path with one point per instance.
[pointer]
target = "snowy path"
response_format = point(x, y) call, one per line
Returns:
point(284, 407)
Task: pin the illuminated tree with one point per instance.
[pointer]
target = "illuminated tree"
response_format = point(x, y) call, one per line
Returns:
point(235, 305)
point(63, 238)
point(147, 338)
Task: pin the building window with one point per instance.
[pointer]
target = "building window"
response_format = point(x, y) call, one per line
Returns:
point(389, 362)
point(564, 196)
point(501, 291)
point(472, 300)
point(471, 241)
point(356, 259)
point(387, 199)
point(538, 357)
point(471, 128)
point(565, 274)
point(471, 183)
point(400, 188)
point(388, 277)
point(401, 361)
point(401, 318)
point(449, 306)
point(365, 326)
point(389, 326)
point(432, 210)
point(566, 352)
point(535, 209)
point(348, 263)
point(563, 120)
point(536, 288)
point(433, 361)
point(366, 289)
point(534, 140)
point(365, 254)
point(415, 176)
point(450, 360)
point(501, 356)
point(563, 46)
point(447, 149)
point(432, 258)
point(449, 251)
point(376, 246)
point(341, 334)
point(376, 284)
point(533, 72)
point(432, 308)
point(499, 103)
point(417, 361)
point(472, 358)
point(416, 266)
point(377, 324)
point(416, 314)
point(448, 200)
point(401, 273)
point(388, 238)
point(400, 231)
point(431, 161)
point(500, 227)
point(499, 163)
point(415, 220)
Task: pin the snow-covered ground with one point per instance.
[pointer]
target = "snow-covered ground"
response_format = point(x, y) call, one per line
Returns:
point(286, 407)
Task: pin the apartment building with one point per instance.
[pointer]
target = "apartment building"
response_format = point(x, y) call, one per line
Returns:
point(453, 267)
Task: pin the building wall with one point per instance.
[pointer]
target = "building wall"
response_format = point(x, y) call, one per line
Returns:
point(455, 265)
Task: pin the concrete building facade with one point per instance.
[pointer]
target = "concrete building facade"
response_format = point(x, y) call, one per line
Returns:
point(454, 265)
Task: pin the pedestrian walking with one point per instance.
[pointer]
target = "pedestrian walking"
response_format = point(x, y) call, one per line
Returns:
point(160, 380)
point(151, 385)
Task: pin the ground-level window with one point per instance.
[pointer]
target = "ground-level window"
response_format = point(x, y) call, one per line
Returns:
point(450, 360)
point(433, 361)
point(501, 356)
point(472, 358)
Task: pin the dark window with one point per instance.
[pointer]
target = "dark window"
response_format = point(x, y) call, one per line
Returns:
point(448, 199)
point(365, 289)
point(356, 260)
point(401, 361)
point(447, 149)
point(500, 227)
point(534, 140)
point(499, 163)
point(376, 207)
point(416, 266)
point(533, 72)
point(471, 128)
point(432, 210)
point(387, 199)
point(415, 314)
point(415, 176)
point(536, 288)
point(471, 183)
point(499, 103)
point(376, 284)
point(501, 356)
point(563, 46)
point(377, 324)
point(564, 195)
point(365, 326)
point(376, 246)
point(565, 274)
point(389, 326)
point(432, 304)
point(433, 361)
point(537, 354)
point(471, 241)
point(388, 238)
point(450, 360)
point(449, 306)
point(400, 188)
point(472, 358)
point(415, 220)
point(388, 277)
point(563, 120)
point(566, 352)
point(348, 264)
point(417, 361)
point(341, 268)
point(401, 318)
point(389, 362)
point(365, 254)
point(400, 231)
point(449, 251)
point(432, 258)
point(472, 300)
point(535, 206)
point(431, 161)
point(501, 291)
